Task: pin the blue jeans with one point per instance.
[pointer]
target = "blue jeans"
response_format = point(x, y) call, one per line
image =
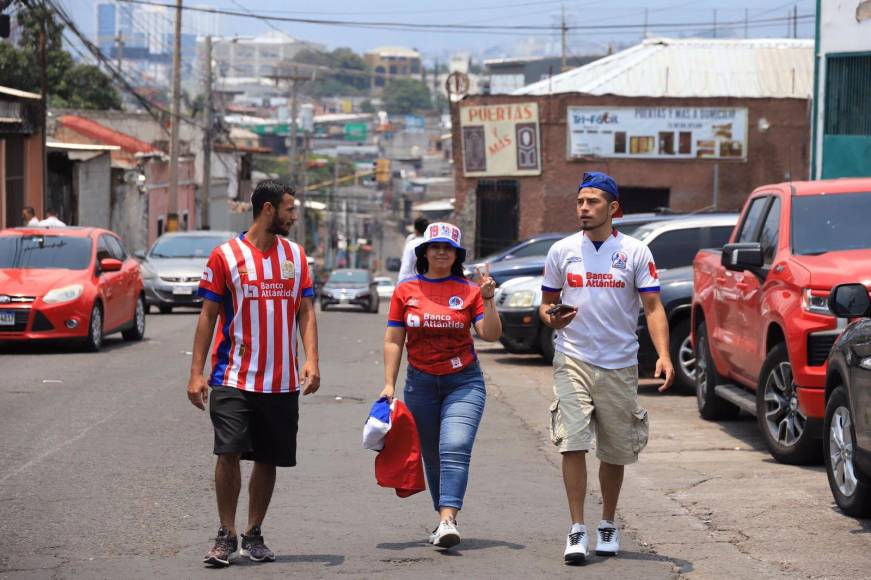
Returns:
point(447, 410)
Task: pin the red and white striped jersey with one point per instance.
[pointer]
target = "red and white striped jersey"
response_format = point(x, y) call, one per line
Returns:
point(260, 294)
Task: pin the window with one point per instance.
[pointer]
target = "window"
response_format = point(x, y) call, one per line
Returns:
point(103, 248)
point(116, 248)
point(159, 226)
point(620, 142)
point(830, 223)
point(536, 248)
point(678, 248)
point(848, 90)
point(45, 252)
point(770, 231)
point(751, 220)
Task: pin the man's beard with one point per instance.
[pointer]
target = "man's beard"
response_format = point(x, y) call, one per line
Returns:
point(276, 228)
point(585, 227)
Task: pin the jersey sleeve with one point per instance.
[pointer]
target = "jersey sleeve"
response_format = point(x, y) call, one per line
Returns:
point(213, 284)
point(306, 283)
point(646, 277)
point(477, 305)
point(553, 275)
point(396, 314)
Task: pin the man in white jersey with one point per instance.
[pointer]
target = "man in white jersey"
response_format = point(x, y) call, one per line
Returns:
point(258, 289)
point(595, 282)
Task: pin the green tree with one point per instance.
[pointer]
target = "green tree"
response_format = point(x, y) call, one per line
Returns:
point(403, 96)
point(342, 72)
point(69, 84)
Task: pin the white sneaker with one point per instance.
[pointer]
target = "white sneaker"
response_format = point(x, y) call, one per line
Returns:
point(446, 535)
point(577, 545)
point(608, 539)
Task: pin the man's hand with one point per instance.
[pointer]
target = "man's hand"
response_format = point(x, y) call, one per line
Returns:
point(664, 367)
point(198, 391)
point(311, 378)
point(562, 318)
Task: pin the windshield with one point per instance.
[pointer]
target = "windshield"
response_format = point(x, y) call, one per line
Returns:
point(186, 246)
point(348, 277)
point(830, 223)
point(45, 252)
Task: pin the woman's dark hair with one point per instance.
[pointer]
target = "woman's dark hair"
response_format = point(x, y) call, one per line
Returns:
point(422, 265)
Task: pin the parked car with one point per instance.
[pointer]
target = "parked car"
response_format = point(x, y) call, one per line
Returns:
point(350, 286)
point(673, 243)
point(385, 287)
point(762, 327)
point(530, 247)
point(847, 424)
point(393, 263)
point(68, 283)
point(173, 266)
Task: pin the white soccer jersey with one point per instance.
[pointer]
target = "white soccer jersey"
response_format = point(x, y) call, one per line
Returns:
point(604, 284)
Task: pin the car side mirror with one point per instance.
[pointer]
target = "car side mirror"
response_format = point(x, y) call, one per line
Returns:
point(850, 301)
point(139, 255)
point(742, 256)
point(110, 265)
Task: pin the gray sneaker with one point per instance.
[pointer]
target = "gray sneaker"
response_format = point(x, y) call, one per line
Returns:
point(253, 547)
point(225, 546)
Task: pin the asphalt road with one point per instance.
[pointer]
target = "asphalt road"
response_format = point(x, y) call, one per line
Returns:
point(106, 472)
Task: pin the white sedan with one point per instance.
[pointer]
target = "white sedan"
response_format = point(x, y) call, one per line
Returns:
point(385, 286)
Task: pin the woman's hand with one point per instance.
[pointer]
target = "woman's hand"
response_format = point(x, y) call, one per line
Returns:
point(486, 283)
point(388, 392)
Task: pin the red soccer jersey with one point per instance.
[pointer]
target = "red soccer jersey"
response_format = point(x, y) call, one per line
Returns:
point(437, 315)
point(260, 296)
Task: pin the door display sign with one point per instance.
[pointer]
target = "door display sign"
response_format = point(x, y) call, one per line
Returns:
point(500, 139)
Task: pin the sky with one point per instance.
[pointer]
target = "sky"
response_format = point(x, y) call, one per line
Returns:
point(664, 17)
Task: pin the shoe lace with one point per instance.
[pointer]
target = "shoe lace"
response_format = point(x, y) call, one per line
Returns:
point(575, 538)
point(223, 543)
point(607, 534)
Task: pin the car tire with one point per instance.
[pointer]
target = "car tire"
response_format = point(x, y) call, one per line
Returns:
point(683, 356)
point(546, 338)
point(94, 341)
point(374, 305)
point(785, 429)
point(711, 406)
point(137, 328)
point(851, 493)
point(323, 307)
point(165, 309)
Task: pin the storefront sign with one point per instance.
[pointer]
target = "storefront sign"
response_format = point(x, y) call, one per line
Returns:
point(500, 139)
point(658, 132)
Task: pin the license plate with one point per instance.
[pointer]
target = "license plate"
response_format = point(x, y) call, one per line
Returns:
point(344, 300)
point(7, 318)
point(181, 291)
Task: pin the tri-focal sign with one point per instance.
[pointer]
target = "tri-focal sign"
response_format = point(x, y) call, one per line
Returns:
point(500, 139)
point(657, 132)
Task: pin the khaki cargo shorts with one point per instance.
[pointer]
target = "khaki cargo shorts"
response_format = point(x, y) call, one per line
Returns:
point(594, 403)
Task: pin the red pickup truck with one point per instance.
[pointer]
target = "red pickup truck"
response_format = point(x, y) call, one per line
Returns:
point(762, 329)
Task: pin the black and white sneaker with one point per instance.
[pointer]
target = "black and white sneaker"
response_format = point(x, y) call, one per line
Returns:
point(446, 535)
point(254, 548)
point(608, 539)
point(577, 545)
point(224, 548)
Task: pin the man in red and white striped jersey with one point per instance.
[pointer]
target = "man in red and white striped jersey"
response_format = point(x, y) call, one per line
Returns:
point(258, 289)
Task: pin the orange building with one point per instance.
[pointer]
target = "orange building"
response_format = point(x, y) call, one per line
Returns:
point(22, 157)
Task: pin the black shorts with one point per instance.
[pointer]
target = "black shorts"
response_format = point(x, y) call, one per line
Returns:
point(260, 426)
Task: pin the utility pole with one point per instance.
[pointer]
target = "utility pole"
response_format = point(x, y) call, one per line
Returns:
point(746, 21)
point(795, 21)
point(564, 30)
point(43, 89)
point(119, 50)
point(715, 23)
point(207, 139)
point(645, 23)
point(172, 211)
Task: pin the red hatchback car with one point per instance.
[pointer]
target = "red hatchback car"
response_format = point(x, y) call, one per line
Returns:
point(68, 283)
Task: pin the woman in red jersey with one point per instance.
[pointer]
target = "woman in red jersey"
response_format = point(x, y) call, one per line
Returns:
point(432, 314)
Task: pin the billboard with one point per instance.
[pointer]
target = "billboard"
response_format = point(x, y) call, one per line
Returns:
point(500, 139)
point(658, 132)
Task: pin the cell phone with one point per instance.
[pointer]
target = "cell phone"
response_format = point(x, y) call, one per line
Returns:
point(560, 309)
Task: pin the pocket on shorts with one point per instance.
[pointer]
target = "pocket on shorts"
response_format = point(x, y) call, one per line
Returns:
point(555, 427)
point(640, 430)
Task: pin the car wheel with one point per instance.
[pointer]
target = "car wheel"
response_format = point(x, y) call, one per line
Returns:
point(95, 329)
point(546, 340)
point(137, 330)
point(684, 357)
point(784, 426)
point(165, 309)
point(373, 306)
point(323, 307)
point(851, 494)
point(711, 407)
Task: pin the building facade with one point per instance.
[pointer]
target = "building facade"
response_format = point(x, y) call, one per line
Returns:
point(393, 62)
point(842, 89)
point(22, 158)
point(254, 57)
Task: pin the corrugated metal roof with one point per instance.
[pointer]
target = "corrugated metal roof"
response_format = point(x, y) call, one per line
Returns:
point(98, 132)
point(694, 67)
